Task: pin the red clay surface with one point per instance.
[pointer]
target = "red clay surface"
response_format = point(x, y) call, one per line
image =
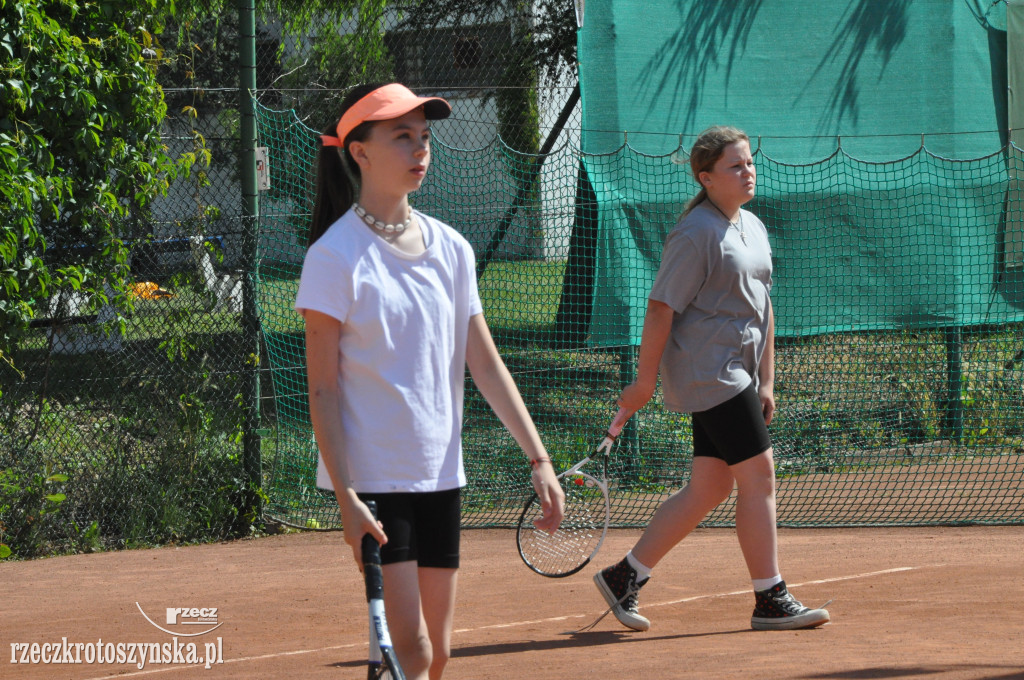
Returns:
point(936, 603)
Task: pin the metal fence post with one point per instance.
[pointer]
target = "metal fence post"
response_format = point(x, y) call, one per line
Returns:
point(954, 411)
point(250, 209)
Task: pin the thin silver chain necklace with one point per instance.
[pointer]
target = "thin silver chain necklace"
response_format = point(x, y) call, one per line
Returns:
point(738, 224)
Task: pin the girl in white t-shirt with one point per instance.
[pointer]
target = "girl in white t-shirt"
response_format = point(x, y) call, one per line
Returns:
point(393, 318)
point(709, 328)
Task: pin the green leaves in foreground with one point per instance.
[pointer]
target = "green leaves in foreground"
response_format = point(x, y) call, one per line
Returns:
point(27, 499)
point(81, 156)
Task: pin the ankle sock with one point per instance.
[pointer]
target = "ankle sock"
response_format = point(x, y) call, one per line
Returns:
point(643, 572)
point(766, 583)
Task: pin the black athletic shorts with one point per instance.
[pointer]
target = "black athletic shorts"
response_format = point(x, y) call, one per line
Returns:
point(421, 527)
point(733, 431)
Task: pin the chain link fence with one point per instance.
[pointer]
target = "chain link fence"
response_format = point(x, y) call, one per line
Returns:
point(129, 424)
point(127, 427)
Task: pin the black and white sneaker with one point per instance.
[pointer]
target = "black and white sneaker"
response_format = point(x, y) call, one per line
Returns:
point(619, 588)
point(776, 609)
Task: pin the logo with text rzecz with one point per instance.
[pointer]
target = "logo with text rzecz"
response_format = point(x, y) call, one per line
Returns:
point(187, 621)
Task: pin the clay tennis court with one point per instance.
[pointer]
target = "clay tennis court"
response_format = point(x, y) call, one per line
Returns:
point(940, 602)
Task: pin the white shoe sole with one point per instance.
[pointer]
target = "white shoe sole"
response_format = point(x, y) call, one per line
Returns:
point(626, 618)
point(809, 619)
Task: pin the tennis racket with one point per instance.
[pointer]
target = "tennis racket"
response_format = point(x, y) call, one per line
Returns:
point(585, 522)
point(383, 662)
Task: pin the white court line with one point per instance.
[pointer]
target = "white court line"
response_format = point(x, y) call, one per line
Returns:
point(795, 585)
point(699, 597)
point(181, 667)
point(514, 624)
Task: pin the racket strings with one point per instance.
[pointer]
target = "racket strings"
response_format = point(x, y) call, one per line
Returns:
point(579, 534)
point(570, 545)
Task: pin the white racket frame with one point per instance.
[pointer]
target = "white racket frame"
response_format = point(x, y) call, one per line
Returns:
point(604, 449)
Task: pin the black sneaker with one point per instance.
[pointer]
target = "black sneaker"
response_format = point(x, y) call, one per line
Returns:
point(776, 609)
point(619, 587)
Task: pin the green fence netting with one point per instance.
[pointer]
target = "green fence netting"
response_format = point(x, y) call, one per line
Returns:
point(920, 242)
point(885, 416)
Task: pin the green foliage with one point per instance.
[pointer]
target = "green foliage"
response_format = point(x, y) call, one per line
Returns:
point(30, 495)
point(197, 52)
point(326, 57)
point(550, 51)
point(302, 16)
point(990, 396)
point(164, 470)
point(80, 149)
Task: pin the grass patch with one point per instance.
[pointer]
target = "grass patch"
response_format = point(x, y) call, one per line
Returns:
point(844, 401)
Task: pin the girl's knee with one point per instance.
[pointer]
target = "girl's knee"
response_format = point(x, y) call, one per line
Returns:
point(723, 490)
point(756, 475)
point(757, 487)
point(415, 654)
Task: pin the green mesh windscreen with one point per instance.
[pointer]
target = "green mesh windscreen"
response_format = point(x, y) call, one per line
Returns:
point(900, 397)
point(910, 243)
point(796, 74)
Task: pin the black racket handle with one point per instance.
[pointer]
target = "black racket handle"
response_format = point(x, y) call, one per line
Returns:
point(371, 562)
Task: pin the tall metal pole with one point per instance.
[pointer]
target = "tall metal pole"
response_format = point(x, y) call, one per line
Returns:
point(527, 182)
point(251, 456)
point(954, 415)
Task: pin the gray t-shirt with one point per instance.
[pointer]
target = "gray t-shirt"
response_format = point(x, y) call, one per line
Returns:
point(718, 286)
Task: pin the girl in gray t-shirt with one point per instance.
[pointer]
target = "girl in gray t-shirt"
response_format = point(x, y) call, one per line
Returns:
point(709, 328)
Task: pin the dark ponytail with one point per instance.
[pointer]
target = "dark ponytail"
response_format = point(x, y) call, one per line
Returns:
point(337, 175)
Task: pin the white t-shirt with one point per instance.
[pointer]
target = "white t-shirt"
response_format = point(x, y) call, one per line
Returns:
point(718, 285)
point(402, 353)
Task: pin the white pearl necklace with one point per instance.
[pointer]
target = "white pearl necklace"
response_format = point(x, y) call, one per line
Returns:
point(381, 225)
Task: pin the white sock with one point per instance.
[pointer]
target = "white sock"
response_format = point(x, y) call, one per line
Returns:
point(766, 583)
point(643, 572)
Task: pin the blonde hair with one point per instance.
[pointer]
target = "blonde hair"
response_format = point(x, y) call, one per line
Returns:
point(706, 151)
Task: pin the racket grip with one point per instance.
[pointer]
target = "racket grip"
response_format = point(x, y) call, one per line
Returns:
point(371, 548)
point(618, 422)
point(371, 561)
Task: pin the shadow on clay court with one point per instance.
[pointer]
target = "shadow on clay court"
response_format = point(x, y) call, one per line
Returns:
point(570, 640)
point(576, 640)
point(999, 672)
